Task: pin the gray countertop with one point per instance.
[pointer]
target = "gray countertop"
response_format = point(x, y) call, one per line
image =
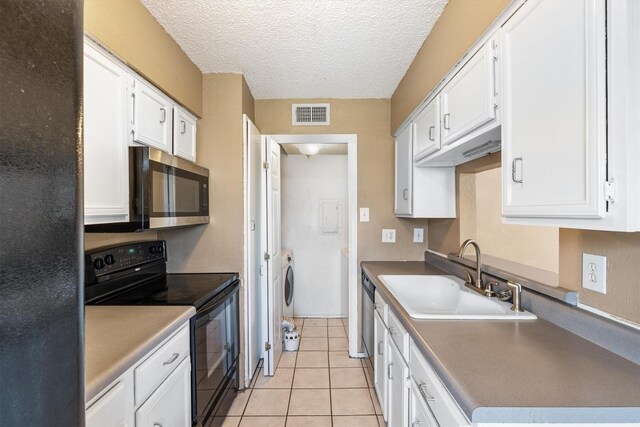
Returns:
point(519, 371)
point(116, 337)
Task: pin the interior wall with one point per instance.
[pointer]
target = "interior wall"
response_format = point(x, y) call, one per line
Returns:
point(127, 29)
point(217, 246)
point(460, 24)
point(481, 220)
point(623, 258)
point(369, 119)
point(306, 183)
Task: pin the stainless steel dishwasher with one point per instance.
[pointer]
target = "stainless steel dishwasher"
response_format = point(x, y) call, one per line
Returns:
point(368, 309)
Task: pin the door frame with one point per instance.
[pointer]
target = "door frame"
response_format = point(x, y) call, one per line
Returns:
point(352, 189)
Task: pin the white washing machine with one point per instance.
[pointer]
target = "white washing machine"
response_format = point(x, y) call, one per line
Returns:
point(287, 283)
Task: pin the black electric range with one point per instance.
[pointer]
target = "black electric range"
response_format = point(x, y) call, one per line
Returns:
point(135, 274)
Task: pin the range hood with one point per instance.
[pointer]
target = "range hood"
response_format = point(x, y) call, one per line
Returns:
point(464, 150)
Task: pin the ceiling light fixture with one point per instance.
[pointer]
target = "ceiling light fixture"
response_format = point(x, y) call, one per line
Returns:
point(308, 149)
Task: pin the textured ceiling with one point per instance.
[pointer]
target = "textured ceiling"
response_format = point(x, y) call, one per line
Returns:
point(302, 48)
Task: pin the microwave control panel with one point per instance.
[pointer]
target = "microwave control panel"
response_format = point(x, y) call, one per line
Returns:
point(114, 258)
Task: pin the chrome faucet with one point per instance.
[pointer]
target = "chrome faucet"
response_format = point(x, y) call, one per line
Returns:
point(478, 281)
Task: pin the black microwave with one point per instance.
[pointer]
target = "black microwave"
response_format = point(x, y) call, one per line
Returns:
point(164, 191)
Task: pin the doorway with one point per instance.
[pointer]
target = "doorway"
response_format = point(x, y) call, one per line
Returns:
point(263, 309)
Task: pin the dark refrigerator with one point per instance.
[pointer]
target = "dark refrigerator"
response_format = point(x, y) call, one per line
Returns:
point(41, 311)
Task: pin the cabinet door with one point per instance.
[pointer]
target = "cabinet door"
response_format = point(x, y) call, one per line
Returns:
point(152, 118)
point(426, 137)
point(113, 409)
point(404, 172)
point(380, 362)
point(553, 126)
point(419, 413)
point(106, 167)
point(469, 99)
point(170, 404)
point(397, 390)
point(184, 134)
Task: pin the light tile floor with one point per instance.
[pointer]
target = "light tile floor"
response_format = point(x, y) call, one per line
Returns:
point(319, 385)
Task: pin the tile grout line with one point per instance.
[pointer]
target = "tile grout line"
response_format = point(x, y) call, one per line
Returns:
point(329, 372)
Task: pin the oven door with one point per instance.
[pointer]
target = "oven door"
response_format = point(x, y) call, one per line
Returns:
point(216, 346)
point(172, 192)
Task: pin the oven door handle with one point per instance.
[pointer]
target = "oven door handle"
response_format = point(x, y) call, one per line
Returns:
point(218, 301)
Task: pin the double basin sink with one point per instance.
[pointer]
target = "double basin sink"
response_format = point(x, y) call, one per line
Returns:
point(447, 298)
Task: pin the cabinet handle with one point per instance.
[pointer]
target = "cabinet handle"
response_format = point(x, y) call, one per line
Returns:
point(380, 348)
point(514, 167)
point(431, 129)
point(422, 387)
point(173, 359)
point(391, 331)
point(164, 115)
point(405, 194)
point(389, 369)
point(415, 423)
point(157, 425)
point(184, 127)
point(446, 121)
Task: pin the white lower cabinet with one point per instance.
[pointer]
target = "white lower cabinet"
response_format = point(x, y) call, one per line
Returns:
point(168, 403)
point(115, 407)
point(420, 414)
point(380, 362)
point(397, 390)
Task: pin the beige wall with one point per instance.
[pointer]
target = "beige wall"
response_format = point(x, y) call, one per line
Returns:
point(127, 29)
point(481, 220)
point(460, 24)
point(369, 119)
point(623, 258)
point(217, 246)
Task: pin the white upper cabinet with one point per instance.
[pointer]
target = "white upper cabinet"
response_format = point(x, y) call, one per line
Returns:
point(554, 110)
point(184, 134)
point(469, 99)
point(152, 117)
point(106, 167)
point(427, 130)
point(421, 192)
point(404, 169)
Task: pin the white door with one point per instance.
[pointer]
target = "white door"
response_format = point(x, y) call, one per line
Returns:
point(404, 171)
point(397, 390)
point(554, 123)
point(270, 242)
point(170, 404)
point(380, 362)
point(256, 264)
point(426, 137)
point(469, 99)
point(106, 152)
point(115, 408)
point(184, 134)
point(152, 117)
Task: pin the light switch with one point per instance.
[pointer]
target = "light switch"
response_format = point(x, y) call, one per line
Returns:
point(364, 214)
point(594, 273)
point(418, 235)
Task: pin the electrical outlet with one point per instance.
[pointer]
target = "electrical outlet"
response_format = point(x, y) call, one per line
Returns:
point(364, 214)
point(388, 235)
point(594, 273)
point(418, 235)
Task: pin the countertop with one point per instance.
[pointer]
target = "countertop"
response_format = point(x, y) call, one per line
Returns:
point(116, 337)
point(519, 371)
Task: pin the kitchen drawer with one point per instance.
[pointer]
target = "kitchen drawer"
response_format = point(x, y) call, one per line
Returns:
point(153, 371)
point(398, 334)
point(381, 307)
point(433, 393)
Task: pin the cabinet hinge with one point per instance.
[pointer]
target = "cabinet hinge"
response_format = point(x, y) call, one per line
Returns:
point(610, 191)
point(265, 165)
point(267, 256)
point(267, 346)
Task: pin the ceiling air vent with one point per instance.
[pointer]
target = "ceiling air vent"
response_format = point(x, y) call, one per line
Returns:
point(310, 114)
